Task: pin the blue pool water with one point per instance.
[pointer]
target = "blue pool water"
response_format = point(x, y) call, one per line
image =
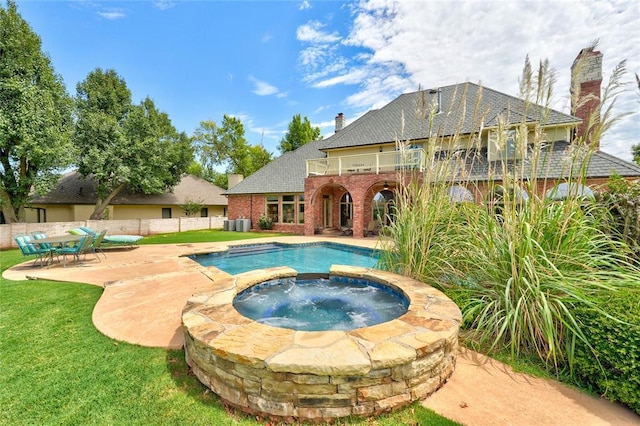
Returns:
point(304, 258)
point(321, 303)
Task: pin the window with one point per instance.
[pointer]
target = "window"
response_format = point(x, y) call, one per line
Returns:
point(300, 208)
point(346, 210)
point(166, 212)
point(204, 212)
point(272, 208)
point(383, 207)
point(283, 208)
point(288, 209)
point(510, 144)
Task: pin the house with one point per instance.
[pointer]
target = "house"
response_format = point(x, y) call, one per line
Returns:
point(74, 199)
point(350, 178)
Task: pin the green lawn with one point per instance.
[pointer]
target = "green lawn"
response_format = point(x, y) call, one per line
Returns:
point(204, 236)
point(58, 369)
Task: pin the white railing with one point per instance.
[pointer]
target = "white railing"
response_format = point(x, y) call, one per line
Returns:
point(379, 162)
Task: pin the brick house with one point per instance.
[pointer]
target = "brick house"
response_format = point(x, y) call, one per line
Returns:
point(348, 180)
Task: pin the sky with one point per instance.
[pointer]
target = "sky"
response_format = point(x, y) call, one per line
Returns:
point(266, 61)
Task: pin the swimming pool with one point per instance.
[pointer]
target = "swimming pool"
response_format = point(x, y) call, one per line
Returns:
point(304, 258)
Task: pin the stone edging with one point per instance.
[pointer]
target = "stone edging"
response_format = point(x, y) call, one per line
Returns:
point(287, 374)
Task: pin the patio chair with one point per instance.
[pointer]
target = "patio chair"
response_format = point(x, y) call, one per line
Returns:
point(44, 246)
point(83, 246)
point(348, 230)
point(96, 245)
point(28, 248)
point(372, 228)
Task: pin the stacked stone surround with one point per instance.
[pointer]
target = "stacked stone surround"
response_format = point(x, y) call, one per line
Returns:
point(318, 376)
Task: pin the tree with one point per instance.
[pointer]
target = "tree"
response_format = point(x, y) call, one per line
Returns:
point(300, 132)
point(191, 207)
point(124, 145)
point(35, 117)
point(226, 146)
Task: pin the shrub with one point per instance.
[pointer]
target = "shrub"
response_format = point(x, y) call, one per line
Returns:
point(265, 222)
point(610, 367)
point(622, 199)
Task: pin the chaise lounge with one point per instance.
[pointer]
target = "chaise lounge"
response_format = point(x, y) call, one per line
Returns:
point(120, 240)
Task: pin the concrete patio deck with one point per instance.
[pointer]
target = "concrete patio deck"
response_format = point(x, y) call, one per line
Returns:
point(146, 288)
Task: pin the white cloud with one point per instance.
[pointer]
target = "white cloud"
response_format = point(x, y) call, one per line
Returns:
point(311, 32)
point(112, 14)
point(164, 4)
point(442, 42)
point(263, 88)
point(306, 4)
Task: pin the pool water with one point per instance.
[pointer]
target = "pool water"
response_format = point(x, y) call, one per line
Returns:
point(320, 304)
point(304, 258)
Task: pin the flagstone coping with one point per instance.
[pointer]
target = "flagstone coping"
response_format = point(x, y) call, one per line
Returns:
point(319, 375)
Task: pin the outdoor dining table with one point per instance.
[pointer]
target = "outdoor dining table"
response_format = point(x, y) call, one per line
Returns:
point(59, 240)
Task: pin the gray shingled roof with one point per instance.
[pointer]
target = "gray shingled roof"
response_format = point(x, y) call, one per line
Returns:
point(73, 189)
point(386, 124)
point(284, 174)
point(553, 163)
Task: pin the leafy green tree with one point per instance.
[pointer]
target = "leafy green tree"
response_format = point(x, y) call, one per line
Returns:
point(124, 145)
point(225, 146)
point(300, 132)
point(35, 116)
point(191, 207)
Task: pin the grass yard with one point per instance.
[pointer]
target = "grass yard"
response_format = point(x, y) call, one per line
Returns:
point(204, 236)
point(58, 369)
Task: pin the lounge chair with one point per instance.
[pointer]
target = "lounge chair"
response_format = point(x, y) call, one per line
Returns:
point(123, 240)
point(28, 248)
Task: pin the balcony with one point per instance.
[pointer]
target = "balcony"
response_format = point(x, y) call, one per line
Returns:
point(380, 162)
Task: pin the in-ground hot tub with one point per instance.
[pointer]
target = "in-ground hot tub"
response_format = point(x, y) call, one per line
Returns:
point(316, 375)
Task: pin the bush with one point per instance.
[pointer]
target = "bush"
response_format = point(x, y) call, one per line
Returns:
point(611, 368)
point(622, 200)
point(265, 223)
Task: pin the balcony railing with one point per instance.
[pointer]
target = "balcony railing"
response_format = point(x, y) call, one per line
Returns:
point(380, 162)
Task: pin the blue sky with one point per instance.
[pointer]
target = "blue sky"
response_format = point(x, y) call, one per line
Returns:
point(265, 61)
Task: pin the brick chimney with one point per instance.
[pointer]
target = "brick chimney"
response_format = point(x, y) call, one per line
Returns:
point(586, 78)
point(339, 122)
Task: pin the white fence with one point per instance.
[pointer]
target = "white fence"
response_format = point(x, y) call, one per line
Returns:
point(129, 227)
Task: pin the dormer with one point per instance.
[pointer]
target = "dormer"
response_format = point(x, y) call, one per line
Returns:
point(506, 144)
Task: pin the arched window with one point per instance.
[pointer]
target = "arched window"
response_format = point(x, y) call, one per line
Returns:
point(383, 207)
point(346, 211)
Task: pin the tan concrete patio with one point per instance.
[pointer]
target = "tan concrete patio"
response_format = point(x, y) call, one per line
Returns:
point(146, 288)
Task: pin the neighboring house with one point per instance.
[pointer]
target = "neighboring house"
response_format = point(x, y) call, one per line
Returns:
point(74, 199)
point(349, 179)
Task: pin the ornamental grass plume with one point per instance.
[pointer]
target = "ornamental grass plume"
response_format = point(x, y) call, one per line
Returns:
point(517, 263)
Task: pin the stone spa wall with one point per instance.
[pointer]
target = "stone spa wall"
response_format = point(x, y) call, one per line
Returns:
point(321, 375)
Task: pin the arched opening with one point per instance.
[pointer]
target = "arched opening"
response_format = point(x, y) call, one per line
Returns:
point(383, 207)
point(346, 211)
